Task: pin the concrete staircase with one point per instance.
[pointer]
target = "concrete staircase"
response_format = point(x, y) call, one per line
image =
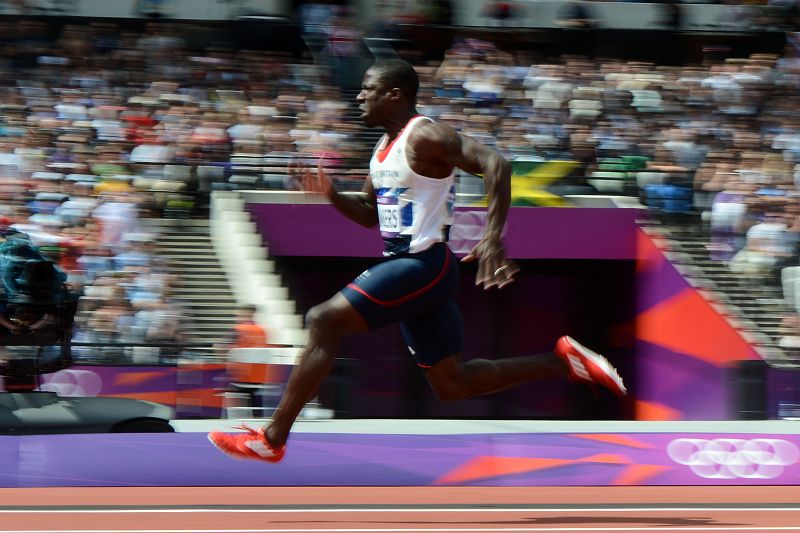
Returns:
point(250, 272)
point(200, 285)
point(755, 307)
point(215, 275)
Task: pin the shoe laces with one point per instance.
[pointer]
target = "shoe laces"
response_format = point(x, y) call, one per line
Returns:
point(252, 431)
point(258, 433)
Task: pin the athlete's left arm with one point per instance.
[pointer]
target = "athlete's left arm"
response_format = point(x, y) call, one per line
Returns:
point(441, 145)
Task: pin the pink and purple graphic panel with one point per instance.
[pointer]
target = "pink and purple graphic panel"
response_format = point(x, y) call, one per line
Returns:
point(315, 459)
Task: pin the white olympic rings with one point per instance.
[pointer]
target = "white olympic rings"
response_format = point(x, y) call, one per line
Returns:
point(726, 458)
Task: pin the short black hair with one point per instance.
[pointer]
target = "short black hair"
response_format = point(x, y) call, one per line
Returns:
point(398, 73)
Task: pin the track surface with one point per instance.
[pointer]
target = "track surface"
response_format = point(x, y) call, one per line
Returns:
point(405, 509)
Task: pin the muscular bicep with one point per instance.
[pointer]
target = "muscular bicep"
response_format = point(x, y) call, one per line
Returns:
point(470, 156)
point(441, 145)
point(480, 160)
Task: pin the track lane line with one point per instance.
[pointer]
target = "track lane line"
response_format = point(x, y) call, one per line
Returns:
point(409, 530)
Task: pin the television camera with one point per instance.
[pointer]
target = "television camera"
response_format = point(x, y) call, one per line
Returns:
point(37, 312)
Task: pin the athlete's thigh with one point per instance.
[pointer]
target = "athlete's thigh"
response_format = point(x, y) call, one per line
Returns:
point(434, 335)
point(404, 287)
point(338, 313)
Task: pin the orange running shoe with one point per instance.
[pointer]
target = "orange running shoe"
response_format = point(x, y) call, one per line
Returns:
point(589, 367)
point(250, 445)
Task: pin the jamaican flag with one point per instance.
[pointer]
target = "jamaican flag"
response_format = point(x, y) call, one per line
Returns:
point(530, 179)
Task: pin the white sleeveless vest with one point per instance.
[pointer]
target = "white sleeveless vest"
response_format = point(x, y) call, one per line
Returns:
point(414, 211)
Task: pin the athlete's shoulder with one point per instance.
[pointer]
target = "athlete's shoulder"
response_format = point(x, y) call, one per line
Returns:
point(429, 132)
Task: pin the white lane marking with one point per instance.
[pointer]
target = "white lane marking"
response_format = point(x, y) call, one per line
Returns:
point(410, 510)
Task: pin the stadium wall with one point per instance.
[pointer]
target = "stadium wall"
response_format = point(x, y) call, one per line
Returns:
point(273, 27)
point(525, 14)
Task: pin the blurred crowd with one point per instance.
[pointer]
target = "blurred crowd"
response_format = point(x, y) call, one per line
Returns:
point(101, 127)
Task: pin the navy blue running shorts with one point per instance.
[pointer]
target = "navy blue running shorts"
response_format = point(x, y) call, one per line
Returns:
point(417, 290)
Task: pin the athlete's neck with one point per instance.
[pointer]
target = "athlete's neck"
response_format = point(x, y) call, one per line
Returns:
point(395, 125)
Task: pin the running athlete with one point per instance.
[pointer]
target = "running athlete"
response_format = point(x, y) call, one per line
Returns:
point(409, 195)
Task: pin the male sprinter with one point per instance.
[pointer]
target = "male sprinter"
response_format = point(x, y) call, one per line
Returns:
point(409, 195)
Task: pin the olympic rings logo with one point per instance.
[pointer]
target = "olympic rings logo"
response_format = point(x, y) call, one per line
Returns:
point(734, 458)
point(72, 383)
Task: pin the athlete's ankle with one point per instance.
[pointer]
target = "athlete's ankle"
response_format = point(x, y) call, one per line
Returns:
point(273, 437)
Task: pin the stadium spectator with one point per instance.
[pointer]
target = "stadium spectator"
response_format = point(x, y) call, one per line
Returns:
point(246, 333)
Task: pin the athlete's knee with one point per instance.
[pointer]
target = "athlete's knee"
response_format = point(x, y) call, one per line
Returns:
point(451, 392)
point(334, 318)
point(324, 318)
point(319, 317)
point(448, 380)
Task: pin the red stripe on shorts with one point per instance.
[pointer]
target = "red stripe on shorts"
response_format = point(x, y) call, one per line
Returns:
point(407, 297)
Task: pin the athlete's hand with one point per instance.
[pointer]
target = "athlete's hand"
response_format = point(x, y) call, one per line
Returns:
point(494, 269)
point(313, 181)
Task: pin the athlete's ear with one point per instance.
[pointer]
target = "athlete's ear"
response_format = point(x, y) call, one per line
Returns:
point(395, 93)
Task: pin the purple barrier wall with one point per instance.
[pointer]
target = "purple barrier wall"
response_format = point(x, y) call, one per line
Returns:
point(188, 459)
point(532, 233)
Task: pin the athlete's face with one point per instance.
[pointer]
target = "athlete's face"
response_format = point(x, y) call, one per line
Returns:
point(373, 98)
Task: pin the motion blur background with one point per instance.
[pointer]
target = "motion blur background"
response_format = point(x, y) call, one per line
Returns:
point(145, 146)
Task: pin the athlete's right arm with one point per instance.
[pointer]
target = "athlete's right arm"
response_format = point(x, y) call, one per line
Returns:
point(361, 207)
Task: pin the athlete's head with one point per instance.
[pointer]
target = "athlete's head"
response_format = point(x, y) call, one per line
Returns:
point(389, 85)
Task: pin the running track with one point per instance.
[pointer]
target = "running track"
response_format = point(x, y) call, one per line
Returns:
point(403, 509)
